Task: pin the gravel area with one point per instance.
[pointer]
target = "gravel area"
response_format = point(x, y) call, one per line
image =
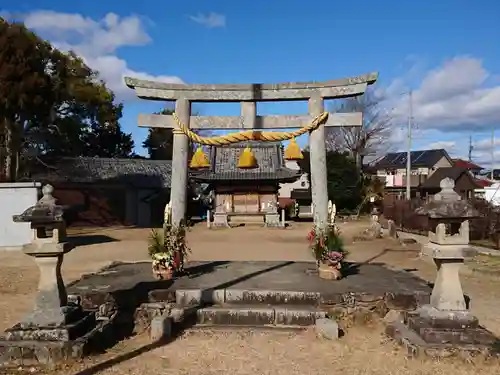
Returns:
point(363, 351)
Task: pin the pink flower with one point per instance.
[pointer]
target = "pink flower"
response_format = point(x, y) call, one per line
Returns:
point(322, 242)
point(311, 235)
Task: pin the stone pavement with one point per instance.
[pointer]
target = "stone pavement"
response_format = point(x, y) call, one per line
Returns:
point(373, 279)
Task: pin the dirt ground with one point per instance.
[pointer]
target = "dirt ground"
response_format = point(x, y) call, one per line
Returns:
point(362, 351)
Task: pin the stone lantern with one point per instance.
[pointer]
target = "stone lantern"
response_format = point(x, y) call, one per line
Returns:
point(55, 330)
point(445, 326)
point(449, 217)
point(48, 246)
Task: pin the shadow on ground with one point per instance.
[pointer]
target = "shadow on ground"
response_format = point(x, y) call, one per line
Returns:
point(90, 239)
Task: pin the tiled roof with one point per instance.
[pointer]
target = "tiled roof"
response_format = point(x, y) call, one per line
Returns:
point(451, 172)
point(466, 164)
point(423, 158)
point(224, 164)
point(143, 173)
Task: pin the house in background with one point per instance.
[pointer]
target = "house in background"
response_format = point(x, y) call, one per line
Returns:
point(107, 191)
point(465, 183)
point(298, 191)
point(424, 163)
point(470, 166)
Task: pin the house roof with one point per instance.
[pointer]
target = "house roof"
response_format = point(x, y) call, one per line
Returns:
point(483, 183)
point(423, 158)
point(466, 164)
point(142, 173)
point(450, 172)
point(224, 164)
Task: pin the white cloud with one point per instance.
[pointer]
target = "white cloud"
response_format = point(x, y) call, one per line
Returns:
point(485, 144)
point(458, 95)
point(97, 42)
point(447, 145)
point(482, 152)
point(210, 20)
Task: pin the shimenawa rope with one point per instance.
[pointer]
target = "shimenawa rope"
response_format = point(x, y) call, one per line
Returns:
point(250, 135)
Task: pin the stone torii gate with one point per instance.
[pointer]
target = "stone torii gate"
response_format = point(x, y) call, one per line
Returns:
point(248, 95)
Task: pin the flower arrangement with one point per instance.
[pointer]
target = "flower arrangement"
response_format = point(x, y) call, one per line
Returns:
point(168, 250)
point(327, 247)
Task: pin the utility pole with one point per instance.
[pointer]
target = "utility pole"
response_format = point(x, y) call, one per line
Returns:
point(408, 152)
point(470, 148)
point(492, 152)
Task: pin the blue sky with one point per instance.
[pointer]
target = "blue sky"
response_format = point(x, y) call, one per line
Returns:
point(447, 51)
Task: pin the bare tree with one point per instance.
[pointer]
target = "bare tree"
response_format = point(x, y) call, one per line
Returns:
point(371, 138)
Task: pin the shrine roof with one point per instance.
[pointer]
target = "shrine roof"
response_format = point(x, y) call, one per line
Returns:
point(224, 164)
point(142, 173)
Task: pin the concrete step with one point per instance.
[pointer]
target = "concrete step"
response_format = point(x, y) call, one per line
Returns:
point(186, 297)
point(258, 316)
point(244, 328)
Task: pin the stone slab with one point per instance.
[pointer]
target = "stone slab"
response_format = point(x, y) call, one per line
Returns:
point(255, 315)
point(68, 333)
point(249, 316)
point(249, 282)
point(417, 322)
point(47, 353)
point(461, 337)
point(416, 346)
point(271, 297)
point(297, 316)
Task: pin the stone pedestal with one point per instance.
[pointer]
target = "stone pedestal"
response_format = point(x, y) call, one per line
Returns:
point(445, 326)
point(447, 294)
point(51, 297)
point(392, 230)
point(273, 220)
point(220, 220)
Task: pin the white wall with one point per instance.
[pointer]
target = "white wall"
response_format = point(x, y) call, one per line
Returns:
point(492, 194)
point(301, 183)
point(15, 198)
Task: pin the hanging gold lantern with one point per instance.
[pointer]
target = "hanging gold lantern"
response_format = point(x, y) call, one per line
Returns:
point(292, 151)
point(247, 159)
point(199, 159)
